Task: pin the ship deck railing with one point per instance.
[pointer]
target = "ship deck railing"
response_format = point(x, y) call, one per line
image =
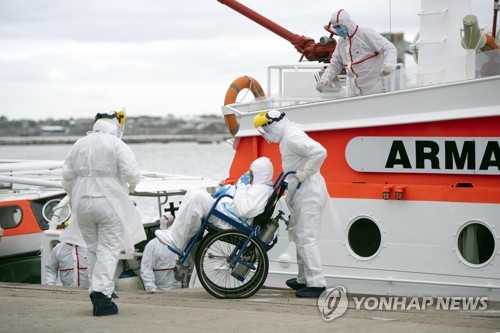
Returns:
point(290, 85)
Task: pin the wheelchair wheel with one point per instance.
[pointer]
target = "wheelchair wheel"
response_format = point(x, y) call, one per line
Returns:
point(215, 256)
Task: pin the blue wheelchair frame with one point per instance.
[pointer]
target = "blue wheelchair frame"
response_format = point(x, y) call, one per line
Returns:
point(250, 231)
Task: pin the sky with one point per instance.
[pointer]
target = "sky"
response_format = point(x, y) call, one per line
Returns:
point(65, 59)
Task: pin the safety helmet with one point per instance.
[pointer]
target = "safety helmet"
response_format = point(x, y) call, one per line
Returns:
point(267, 118)
point(118, 114)
point(266, 123)
point(119, 125)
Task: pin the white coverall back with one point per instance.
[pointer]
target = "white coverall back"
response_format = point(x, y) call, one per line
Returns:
point(95, 175)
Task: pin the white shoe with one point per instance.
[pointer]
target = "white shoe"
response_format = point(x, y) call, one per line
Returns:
point(165, 237)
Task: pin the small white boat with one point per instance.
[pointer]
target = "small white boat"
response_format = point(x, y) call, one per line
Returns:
point(34, 209)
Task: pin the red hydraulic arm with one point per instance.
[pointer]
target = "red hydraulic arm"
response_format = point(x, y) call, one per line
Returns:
point(313, 51)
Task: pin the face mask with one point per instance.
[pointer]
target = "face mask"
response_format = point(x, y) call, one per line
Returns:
point(341, 31)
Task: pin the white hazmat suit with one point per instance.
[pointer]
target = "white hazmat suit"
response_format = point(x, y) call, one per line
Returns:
point(249, 201)
point(97, 174)
point(69, 262)
point(366, 55)
point(302, 154)
point(158, 264)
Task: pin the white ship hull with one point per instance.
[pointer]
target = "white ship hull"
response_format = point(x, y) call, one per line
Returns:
point(413, 173)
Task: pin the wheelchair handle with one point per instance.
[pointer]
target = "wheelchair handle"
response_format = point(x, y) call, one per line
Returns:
point(291, 173)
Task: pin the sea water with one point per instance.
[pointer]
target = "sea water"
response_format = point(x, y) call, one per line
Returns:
point(187, 158)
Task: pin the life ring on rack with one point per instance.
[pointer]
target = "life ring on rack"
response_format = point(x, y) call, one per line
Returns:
point(243, 82)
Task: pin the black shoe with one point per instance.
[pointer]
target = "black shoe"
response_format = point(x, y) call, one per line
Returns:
point(92, 297)
point(310, 292)
point(292, 283)
point(103, 305)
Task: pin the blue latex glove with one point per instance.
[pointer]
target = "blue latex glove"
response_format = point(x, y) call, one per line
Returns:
point(220, 191)
point(244, 179)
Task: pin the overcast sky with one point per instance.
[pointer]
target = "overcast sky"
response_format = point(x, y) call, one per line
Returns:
point(69, 58)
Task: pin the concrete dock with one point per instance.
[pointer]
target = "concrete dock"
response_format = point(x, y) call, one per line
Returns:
point(35, 308)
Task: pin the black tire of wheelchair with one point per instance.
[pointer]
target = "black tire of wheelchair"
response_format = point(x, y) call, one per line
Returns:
point(249, 288)
point(200, 247)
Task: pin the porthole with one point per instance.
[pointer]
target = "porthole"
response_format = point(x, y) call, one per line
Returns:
point(364, 238)
point(475, 244)
point(50, 209)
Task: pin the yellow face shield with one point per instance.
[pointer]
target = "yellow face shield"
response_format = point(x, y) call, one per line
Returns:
point(261, 119)
point(120, 115)
point(262, 123)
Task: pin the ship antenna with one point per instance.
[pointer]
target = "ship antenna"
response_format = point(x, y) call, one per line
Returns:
point(390, 20)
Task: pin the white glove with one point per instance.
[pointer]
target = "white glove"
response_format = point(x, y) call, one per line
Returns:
point(387, 70)
point(321, 85)
point(301, 176)
point(131, 189)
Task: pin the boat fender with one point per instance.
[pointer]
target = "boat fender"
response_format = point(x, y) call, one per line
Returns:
point(243, 82)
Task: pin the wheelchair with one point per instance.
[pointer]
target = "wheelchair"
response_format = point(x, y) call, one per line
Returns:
point(233, 263)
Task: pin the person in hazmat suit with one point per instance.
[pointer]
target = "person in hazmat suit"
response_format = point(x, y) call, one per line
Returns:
point(250, 196)
point(366, 55)
point(69, 263)
point(158, 262)
point(305, 156)
point(98, 174)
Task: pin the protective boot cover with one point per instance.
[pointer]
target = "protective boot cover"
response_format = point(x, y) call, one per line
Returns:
point(103, 305)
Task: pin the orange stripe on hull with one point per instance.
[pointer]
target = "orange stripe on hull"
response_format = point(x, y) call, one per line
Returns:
point(344, 182)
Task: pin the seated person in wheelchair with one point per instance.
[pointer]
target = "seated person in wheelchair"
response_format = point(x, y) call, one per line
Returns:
point(250, 196)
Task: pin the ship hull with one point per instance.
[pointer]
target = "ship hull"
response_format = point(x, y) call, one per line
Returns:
point(413, 178)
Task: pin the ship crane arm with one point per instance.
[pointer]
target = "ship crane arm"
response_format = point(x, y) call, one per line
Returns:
point(312, 51)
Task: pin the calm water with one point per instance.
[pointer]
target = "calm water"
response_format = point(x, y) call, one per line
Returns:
point(192, 159)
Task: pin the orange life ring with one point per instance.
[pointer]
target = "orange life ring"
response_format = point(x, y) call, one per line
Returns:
point(243, 82)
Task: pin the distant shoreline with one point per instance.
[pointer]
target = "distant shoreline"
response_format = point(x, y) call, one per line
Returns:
point(48, 140)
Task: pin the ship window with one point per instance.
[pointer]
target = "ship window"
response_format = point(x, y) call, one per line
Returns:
point(364, 237)
point(63, 213)
point(10, 216)
point(476, 243)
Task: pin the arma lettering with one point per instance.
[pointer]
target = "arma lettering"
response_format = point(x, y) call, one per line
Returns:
point(452, 154)
point(427, 150)
point(398, 149)
point(491, 157)
point(433, 155)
